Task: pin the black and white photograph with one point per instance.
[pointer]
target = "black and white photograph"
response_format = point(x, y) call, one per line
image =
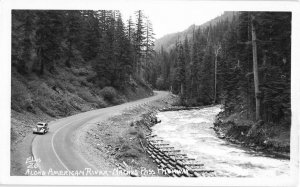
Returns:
point(179, 89)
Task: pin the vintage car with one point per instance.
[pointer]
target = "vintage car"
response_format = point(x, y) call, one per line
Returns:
point(41, 128)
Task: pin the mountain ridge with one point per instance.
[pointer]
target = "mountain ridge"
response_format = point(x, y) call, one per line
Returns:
point(168, 41)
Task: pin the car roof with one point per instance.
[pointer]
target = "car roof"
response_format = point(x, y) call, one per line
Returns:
point(43, 123)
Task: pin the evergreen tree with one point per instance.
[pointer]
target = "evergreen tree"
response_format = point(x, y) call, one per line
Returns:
point(149, 49)
point(48, 38)
point(74, 29)
point(227, 59)
point(139, 42)
point(90, 43)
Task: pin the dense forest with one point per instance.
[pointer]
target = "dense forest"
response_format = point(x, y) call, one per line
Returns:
point(243, 62)
point(64, 59)
point(119, 50)
point(65, 62)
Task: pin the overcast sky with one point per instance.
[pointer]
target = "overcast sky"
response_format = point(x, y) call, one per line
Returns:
point(174, 19)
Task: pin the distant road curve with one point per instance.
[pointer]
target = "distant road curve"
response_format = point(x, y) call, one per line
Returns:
point(56, 149)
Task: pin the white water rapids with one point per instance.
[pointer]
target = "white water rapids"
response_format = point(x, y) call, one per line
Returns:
point(190, 131)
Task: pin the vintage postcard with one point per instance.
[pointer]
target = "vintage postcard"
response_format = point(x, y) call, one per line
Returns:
point(176, 93)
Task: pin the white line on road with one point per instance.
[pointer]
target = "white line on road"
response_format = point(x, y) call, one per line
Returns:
point(57, 154)
point(54, 148)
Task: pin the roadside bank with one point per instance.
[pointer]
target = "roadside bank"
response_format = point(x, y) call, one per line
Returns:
point(120, 142)
point(271, 139)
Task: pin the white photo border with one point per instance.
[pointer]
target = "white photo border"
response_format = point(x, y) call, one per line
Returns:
point(5, 73)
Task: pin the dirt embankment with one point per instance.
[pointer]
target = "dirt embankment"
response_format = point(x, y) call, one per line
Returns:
point(120, 141)
point(28, 111)
point(52, 96)
point(274, 140)
point(21, 139)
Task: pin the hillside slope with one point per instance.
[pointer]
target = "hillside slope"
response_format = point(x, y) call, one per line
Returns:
point(53, 96)
point(66, 62)
point(168, 41)
point(67, 92)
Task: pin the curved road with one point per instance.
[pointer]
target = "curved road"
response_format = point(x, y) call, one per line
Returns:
point(56, 149)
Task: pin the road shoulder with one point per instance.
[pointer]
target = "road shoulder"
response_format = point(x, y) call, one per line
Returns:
point(118, 141)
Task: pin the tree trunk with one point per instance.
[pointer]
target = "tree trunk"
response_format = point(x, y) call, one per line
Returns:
point(216, 64)
point(255, 71)
point(181, 90)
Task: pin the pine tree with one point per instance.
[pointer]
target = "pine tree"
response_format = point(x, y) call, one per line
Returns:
point(255, 69)
point(73, 34)
point(22, 43)
point(149, 49)
point(139, 38)
point(48, 38)
point(217, 48)
point(187, 58)
point(130, 29)
point(124, 54)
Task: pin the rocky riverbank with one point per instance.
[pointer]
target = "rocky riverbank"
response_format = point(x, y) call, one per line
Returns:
point(120, 143)
point(126, 143)
point(170, 161)
point(273, 140)
point(178, 107)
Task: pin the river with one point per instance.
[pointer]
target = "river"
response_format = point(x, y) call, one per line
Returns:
point(191, 132)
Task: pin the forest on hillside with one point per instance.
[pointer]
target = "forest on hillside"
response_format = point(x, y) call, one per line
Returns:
point(65, 60)
point(243, 62)
point(119, 49)
point(229, 78)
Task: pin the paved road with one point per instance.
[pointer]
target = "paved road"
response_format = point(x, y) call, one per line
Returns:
point(56, 149)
